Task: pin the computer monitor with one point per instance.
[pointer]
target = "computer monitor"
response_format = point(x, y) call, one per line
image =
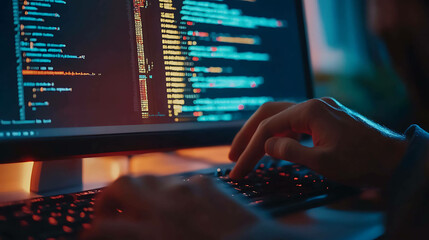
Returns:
point(89, 78)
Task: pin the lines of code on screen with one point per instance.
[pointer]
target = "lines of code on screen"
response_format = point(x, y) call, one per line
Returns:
point(217, 60)
point(72, 64)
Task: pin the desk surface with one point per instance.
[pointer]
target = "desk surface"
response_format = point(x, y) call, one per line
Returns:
point(325, 222)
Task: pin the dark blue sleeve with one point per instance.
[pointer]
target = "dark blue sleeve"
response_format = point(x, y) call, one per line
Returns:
point(407, 214)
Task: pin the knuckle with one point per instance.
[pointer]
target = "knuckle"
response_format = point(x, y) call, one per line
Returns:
point(315, 103)
point(263, 126)
point(314, 106)
point(266, 107)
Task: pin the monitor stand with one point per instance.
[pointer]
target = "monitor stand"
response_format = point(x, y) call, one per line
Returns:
point(50, 176)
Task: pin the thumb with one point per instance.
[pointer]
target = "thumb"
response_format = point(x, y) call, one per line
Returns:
point(291, 150)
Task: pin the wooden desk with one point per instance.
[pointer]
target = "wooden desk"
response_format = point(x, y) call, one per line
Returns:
point(321, 223)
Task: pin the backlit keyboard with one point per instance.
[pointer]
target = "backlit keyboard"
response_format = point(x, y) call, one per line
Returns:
point(276, 187)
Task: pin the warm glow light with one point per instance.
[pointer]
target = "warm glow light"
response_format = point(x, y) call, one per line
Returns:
point(15, 177)
point(182, 161)
point(26, 175)
point(115, 170)
point(104, 169)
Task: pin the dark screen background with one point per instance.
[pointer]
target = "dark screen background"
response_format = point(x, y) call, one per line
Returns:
point(104, 32)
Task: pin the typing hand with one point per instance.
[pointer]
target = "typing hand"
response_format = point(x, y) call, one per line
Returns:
point(166, 208)
point(348, 148)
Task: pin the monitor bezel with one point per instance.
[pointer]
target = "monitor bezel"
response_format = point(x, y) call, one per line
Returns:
point(55, 148)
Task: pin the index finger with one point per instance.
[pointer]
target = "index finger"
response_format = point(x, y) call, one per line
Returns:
point(296, 119)
point(245, 134)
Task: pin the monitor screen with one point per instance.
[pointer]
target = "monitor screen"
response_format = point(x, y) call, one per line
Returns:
point(102, 67)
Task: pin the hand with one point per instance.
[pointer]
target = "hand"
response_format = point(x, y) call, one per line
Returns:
point(167, 208)
point(348, 148)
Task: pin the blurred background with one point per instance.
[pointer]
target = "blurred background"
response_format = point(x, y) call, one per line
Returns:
point(352, 65)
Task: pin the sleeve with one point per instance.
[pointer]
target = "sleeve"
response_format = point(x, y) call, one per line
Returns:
point(407, 214)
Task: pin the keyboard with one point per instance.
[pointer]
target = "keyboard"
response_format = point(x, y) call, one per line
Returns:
point(276, 187)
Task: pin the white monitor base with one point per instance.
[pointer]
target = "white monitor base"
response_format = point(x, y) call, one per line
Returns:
point(55, 175)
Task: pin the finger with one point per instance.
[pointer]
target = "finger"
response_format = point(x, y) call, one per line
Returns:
point(245, 134)
point(123, 198)
point(296, 119)
point(291, 150)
